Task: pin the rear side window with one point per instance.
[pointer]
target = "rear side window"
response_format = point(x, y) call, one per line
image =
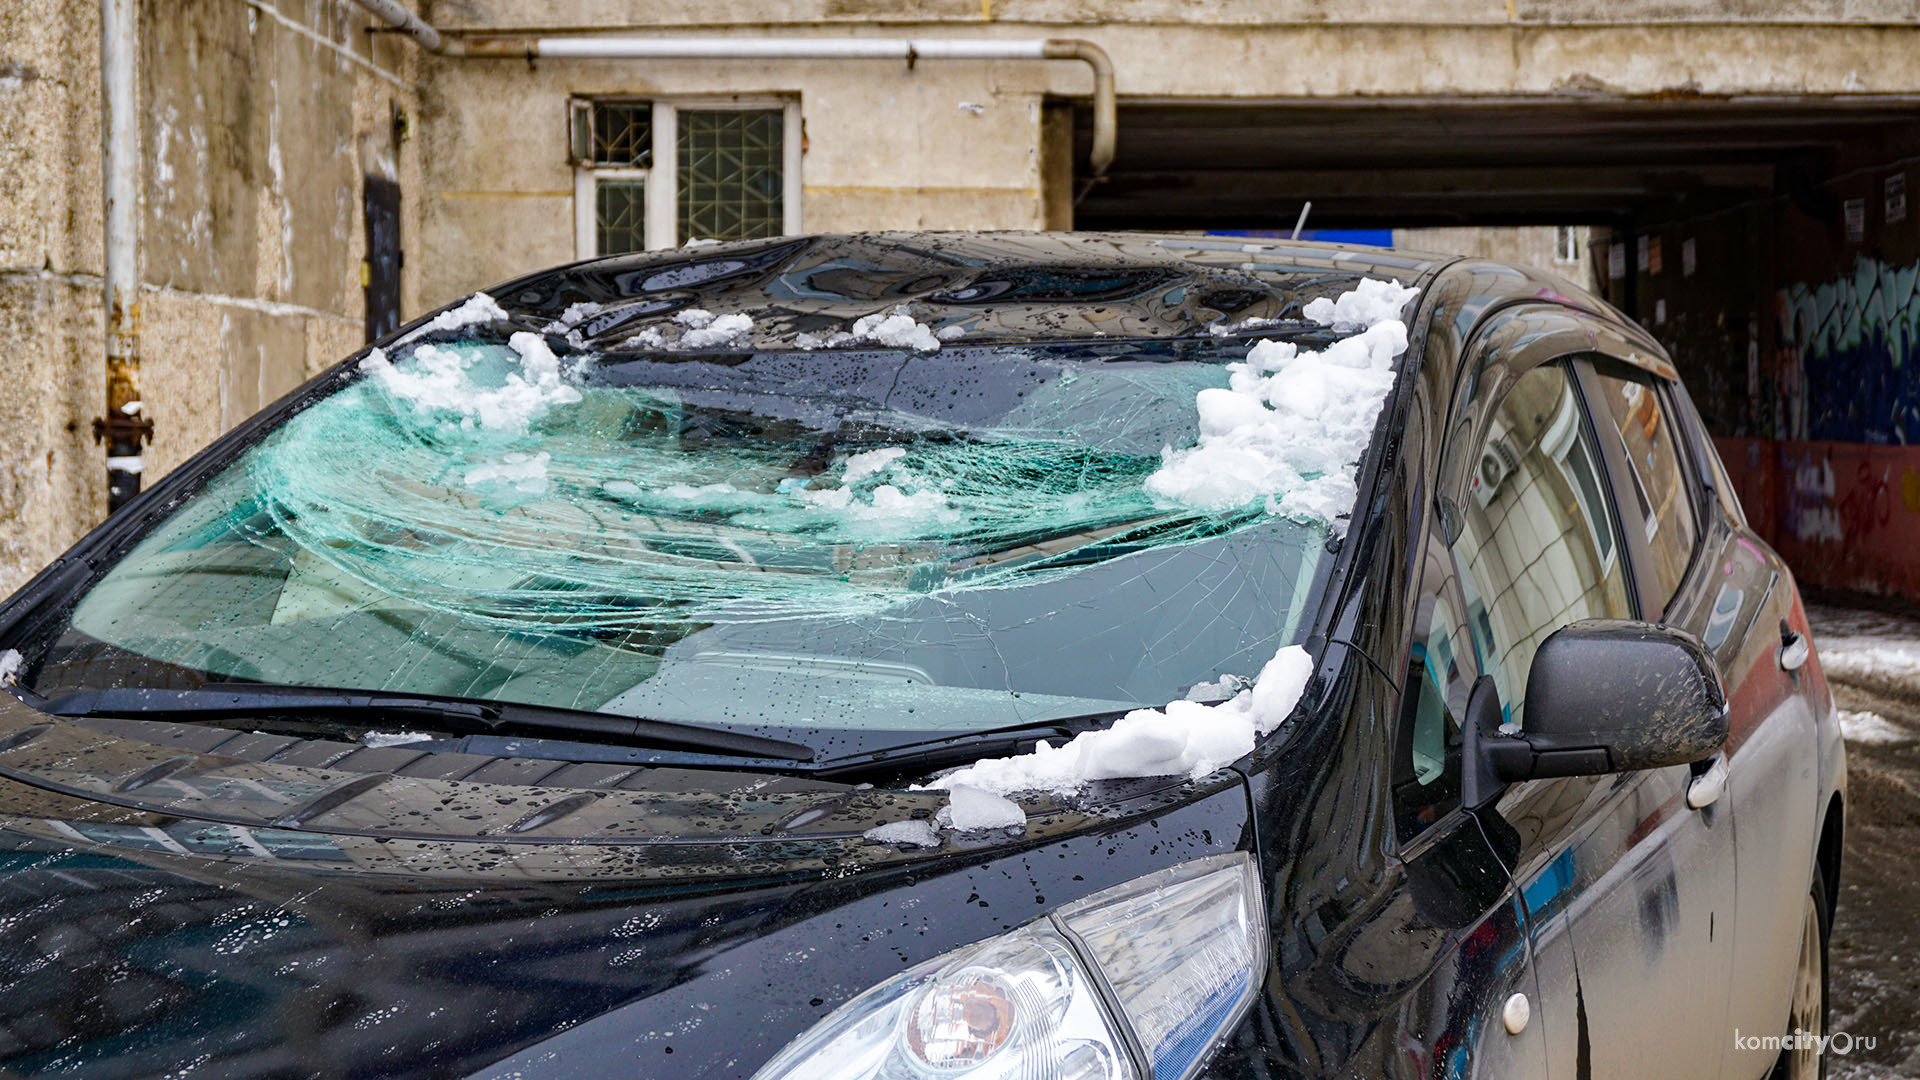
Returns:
point(1663, 510)
point(1537, 547)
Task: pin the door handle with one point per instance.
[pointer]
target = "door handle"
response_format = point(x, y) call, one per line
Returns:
point(1705, 788)
point(1793, 648)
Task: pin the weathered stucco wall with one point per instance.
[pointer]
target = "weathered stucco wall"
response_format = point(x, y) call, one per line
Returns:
point(259, 120)
point(889, 147)
point(260, 117)
point(1530, 245)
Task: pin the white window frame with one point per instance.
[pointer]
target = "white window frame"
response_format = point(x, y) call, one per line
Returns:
point(662, 178)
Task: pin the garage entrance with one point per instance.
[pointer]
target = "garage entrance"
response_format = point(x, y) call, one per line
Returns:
point(1768, 241)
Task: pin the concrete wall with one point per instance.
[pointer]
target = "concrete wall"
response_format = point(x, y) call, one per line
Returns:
point(260, 117)
point(1533, 246)
point(259, 120)
point(889, 147)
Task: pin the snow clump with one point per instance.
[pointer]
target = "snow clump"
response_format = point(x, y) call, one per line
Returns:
point(705, 330)
point(912, 833)
point(437, 380)
point(896, 329)
point(1185, 738)
point(1290, 426)
point(478, 308)
point(377, 739)
point(524, 473)
point(970, 809)
point(906, 496)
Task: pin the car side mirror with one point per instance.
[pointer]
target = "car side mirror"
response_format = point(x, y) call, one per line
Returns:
point(1603, 696)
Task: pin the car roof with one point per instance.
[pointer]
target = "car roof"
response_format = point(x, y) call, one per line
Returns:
point(972, 286)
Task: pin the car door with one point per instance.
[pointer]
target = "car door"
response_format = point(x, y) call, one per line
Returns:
point(1626, 888)
point(1733, 593)
point(1456, 916)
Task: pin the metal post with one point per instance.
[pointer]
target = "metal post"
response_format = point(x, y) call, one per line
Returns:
point(125, 426)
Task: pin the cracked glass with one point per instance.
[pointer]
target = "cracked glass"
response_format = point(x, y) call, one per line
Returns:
point(823, 542)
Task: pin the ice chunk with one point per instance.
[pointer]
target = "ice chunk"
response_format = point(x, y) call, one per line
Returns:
point(913, 833)
point(478, 308)
point(9, 665)
point(1290, 426)
point(524, 473)
point(870, 462)
point(896, 328)
point(704, 491)
point(1371, 302)
point(439, 379)
point(705, 330)
point(1185, 737)
point(378, 739)
point(971, 808)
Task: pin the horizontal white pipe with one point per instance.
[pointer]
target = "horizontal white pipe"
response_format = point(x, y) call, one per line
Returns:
point(478, 44)
point(632, 48)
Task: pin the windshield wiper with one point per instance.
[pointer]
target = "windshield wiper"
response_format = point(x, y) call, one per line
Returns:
point(962, 747)
point(462, 716)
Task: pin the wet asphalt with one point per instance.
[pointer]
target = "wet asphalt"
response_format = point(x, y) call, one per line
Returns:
point(1873, 664)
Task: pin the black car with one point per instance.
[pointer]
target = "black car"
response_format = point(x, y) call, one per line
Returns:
point(934, 655)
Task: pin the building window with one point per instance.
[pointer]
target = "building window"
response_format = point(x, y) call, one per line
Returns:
point(729, 172)
point(1567, 244)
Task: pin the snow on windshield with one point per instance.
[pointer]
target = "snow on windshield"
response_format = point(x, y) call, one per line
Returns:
point(1289, 428)
point(892, 536)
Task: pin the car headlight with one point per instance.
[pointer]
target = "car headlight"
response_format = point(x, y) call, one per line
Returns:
point(1166, 963)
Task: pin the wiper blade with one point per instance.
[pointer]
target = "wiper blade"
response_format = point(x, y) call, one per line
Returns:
point(451, 714)
point(963, 747)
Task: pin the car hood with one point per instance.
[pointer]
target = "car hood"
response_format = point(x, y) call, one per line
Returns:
point(178, 895)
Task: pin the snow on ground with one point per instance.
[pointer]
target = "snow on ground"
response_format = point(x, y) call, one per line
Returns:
point(1291, 426)
point(1866, 726)
point(1872, 652)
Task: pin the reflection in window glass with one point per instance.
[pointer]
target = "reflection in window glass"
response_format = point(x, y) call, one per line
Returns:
point(1654, 472)
point(731, 178)
point(1537, 548)
point(620, 216)
point(1440, 675)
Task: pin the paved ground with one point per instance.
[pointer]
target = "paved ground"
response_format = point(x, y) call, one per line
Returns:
point(1872, 661)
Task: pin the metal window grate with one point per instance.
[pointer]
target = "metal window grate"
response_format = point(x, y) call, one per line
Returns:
point(622, 134)
point(620, 216)
point(732, 173)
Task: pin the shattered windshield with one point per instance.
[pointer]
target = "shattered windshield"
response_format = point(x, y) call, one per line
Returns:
point(833, 542)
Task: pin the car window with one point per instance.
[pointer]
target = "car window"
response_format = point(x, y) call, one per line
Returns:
point(1440, 674)
point(1537, 547)
point(1634, 410)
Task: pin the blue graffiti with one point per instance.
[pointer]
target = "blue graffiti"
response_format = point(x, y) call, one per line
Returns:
point(1851, 355)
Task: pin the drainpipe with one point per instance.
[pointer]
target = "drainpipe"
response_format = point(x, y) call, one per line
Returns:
point(125, 425)
point(485, 44)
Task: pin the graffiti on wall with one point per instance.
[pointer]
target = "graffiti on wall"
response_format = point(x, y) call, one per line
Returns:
point(1847, 366)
